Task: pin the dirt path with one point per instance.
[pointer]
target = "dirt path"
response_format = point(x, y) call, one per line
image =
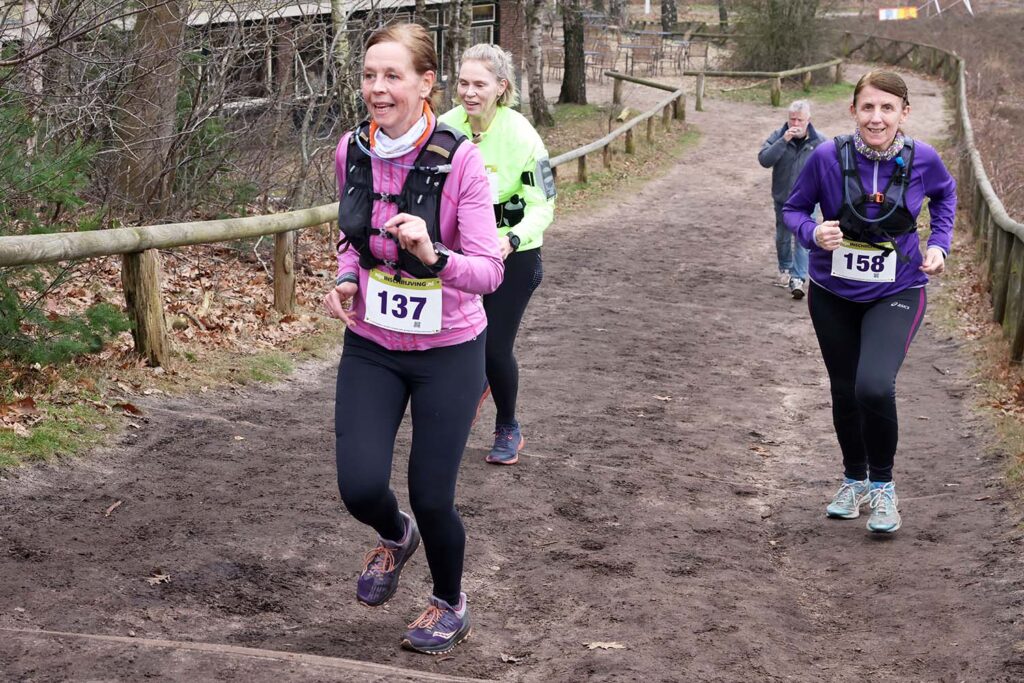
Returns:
point(670, 498)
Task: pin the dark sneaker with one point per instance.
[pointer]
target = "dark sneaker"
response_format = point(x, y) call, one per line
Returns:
point(440, 628)
point(382, 567)
point(508, 441)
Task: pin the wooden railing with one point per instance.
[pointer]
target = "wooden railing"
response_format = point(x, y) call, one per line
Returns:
point(140, 271)
point(775, 76)
point(672, 107)
point(998, 238)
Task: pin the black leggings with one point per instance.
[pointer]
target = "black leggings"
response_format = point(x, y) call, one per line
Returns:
point(863, 345)
point(374, 387)
point(505, 307)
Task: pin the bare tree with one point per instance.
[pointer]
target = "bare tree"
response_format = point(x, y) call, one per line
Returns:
point(457, 39)
point(669, 15)
point(147, 125)
point(574, 78)
point(535, 63)
point(723, 17)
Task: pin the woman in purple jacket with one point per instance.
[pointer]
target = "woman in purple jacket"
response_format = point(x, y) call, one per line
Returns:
point(417, 251)
point(867, 294)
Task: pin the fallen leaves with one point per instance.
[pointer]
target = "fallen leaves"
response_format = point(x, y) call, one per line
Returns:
point(157, 578)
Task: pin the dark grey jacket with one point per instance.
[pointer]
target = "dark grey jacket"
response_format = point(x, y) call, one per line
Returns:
point(786, 159)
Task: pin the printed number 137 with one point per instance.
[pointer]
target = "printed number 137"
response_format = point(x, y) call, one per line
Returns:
point(400, 305)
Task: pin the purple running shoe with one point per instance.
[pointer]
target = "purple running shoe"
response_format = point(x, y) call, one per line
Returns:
point(382, 566)
point(440, 628)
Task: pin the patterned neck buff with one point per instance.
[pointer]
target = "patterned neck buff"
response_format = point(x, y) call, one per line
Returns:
point(874, 154)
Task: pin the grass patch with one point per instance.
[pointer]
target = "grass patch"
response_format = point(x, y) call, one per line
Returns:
point(269, 367)
point(627, 170)
point(64, 430)
point(761, 93)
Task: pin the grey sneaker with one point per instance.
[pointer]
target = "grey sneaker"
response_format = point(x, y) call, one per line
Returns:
point(796, 288)
point(782, 279)
point(848, 499)
point(885, 517)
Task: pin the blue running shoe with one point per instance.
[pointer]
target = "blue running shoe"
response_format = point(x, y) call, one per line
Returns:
point(848, 499)
point(440, 628)
point(382, 566)
point(508, 441)
point(885, 517)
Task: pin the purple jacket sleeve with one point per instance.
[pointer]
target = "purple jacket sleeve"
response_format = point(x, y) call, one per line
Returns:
point(478, 268)
point(940, 188)
point(797, 212)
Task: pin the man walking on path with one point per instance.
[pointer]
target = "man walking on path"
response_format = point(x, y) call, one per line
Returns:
point(785, 152)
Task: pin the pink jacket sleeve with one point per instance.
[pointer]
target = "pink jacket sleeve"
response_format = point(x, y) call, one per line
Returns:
point(479, 268)
point(348, 262)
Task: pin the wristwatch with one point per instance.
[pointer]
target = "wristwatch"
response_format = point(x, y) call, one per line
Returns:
point(513, 240)
point(442, 253)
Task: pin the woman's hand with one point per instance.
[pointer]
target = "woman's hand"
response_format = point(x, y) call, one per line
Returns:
point(411, 233)
point(506, 247)
point(828, 235)
point(934, 261)
point(338, 302)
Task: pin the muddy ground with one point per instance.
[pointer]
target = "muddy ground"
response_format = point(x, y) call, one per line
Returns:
point(670, 497)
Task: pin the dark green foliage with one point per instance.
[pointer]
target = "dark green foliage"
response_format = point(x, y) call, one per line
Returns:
point(778, 34)
point(34, 190)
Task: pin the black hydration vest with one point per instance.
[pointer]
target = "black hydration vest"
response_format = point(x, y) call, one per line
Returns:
point(420, 196)
point(893, 218)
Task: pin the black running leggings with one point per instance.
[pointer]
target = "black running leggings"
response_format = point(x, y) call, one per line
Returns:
point(505, 307)
point(863, 345)
point(374, 387)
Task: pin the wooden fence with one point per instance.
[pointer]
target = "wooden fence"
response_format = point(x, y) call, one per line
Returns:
point(138, 246)
point(775, 76)
point(999, 240)
point(672, 107)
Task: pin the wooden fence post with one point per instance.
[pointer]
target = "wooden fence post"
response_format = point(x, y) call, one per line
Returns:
point(839, 72)
point(666, 117)
point(606, 157)
point(617, 91)
point(650, 130)
point(679, 108)
point(1012, 327)
point(807, 81)
point(140, 278)
point(776, 91)
point(284, 272)
point(699, 102)
point(630, 145)
point(581, 169)
point(1001, 246)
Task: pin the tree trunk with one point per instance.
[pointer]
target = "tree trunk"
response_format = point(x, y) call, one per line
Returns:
point(31, 29)
point(344, 65)
point(147, 124)
point(535, 64)
point(617, 11)
point(574, 78)
point(420, 16)
point(723, 17)
point(458, 36)
point(669, 15)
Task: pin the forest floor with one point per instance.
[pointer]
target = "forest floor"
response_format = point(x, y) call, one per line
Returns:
point(666, 520)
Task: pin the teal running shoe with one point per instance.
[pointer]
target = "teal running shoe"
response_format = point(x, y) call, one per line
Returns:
point(848, 499)
point(885, 517)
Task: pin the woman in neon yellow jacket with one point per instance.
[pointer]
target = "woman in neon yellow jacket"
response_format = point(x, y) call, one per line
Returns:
point(523, 193)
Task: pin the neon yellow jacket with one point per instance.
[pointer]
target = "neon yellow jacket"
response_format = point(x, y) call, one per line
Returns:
point(511, 147)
